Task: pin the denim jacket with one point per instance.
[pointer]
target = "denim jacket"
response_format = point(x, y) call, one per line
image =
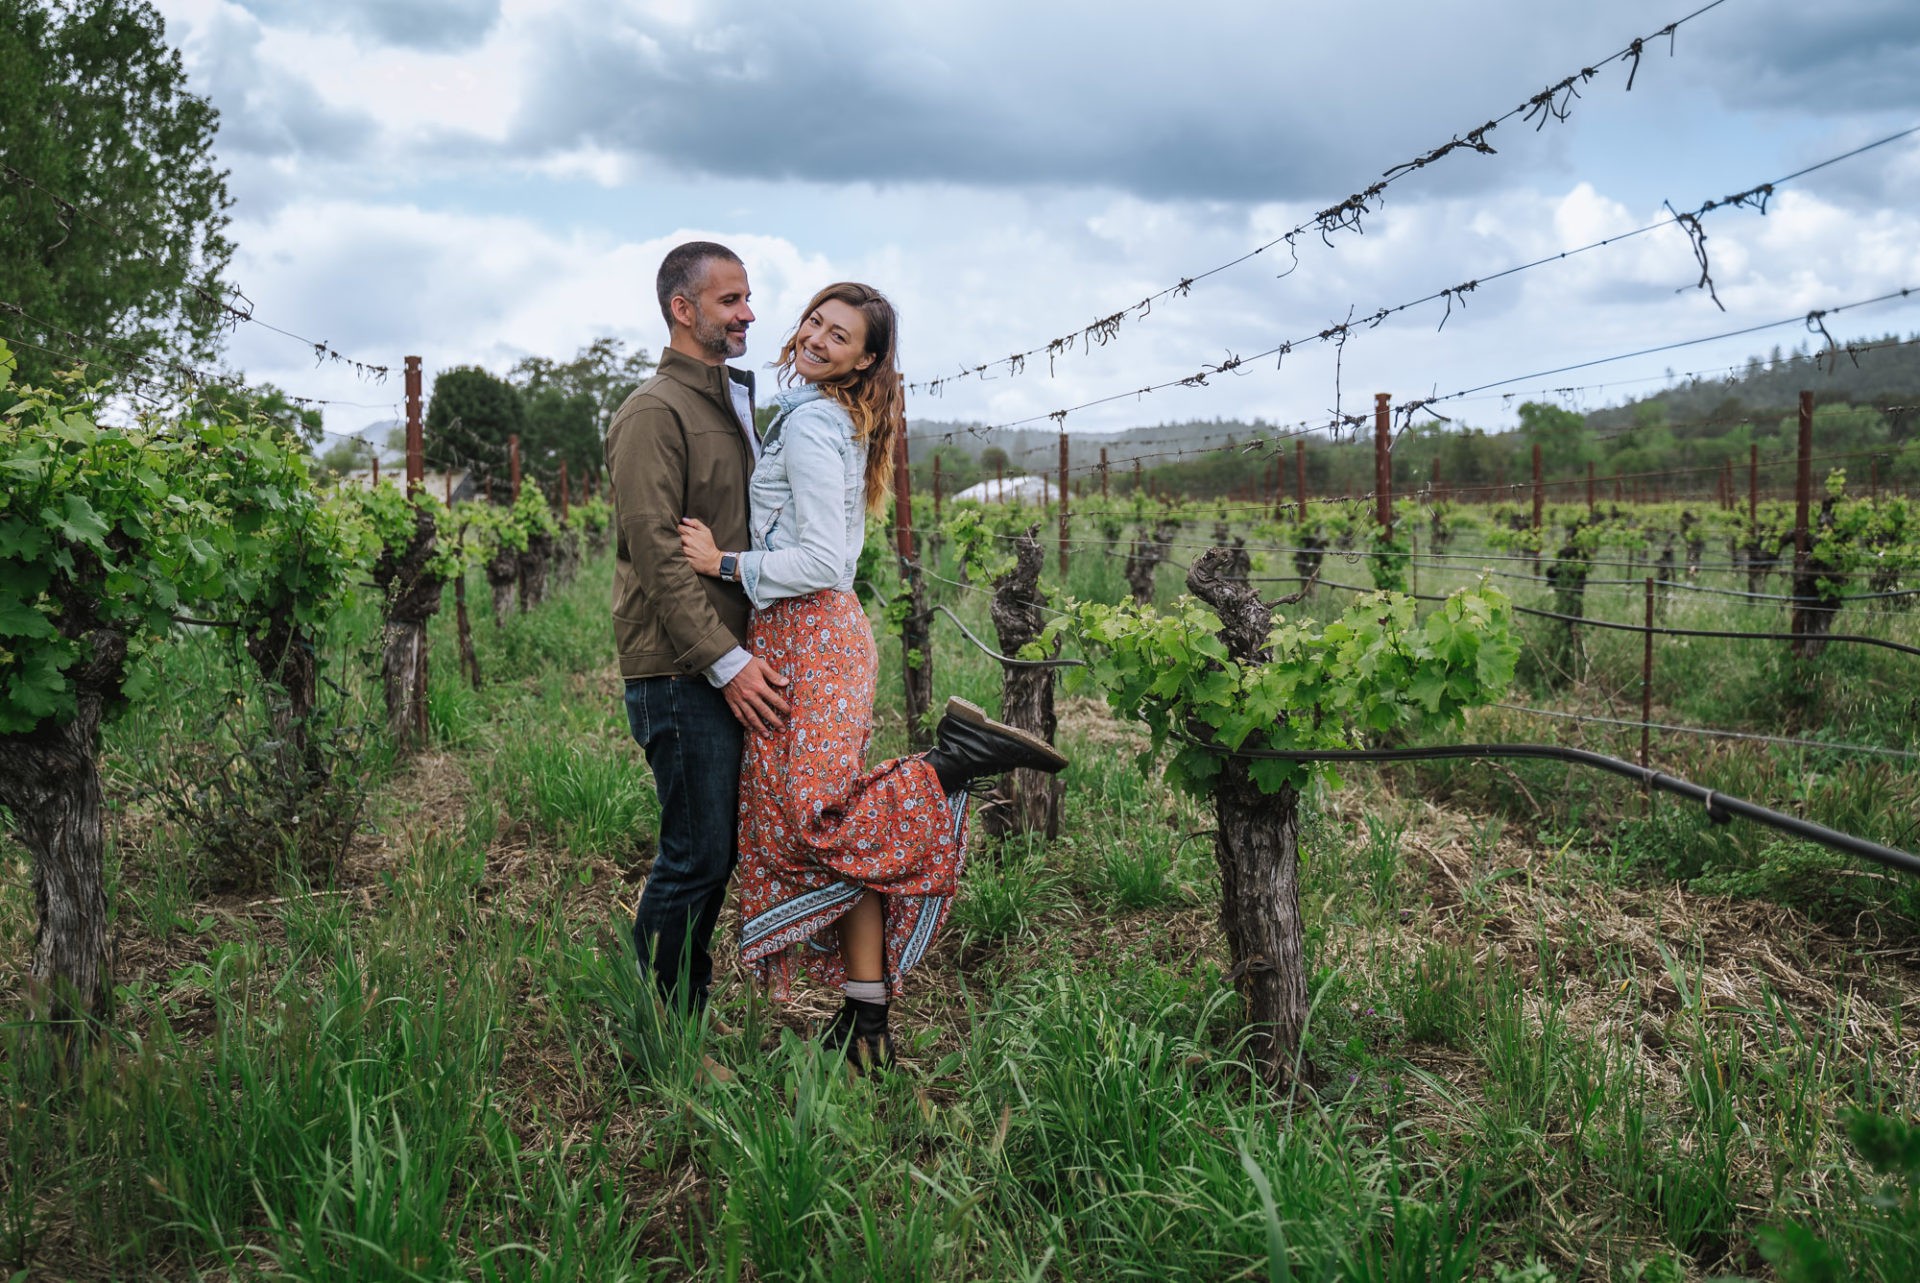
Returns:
point(807, 501)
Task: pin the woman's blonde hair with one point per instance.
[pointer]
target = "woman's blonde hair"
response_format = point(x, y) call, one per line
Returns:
point(874, 398)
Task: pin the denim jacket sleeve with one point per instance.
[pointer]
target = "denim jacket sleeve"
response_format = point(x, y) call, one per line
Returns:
point(815, 449)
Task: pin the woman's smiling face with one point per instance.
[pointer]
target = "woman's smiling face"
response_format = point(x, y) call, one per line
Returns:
point(832, 343)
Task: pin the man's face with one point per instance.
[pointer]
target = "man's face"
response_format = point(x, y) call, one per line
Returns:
point(720, 312)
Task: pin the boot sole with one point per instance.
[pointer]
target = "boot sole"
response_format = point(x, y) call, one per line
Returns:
point(966, 711)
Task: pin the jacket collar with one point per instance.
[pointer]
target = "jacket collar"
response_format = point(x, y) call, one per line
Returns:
point(711, 379)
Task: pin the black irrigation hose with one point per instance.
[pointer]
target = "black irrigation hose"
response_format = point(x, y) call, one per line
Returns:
point(1661, 632)
point(1007, 659)
point(1720, 807)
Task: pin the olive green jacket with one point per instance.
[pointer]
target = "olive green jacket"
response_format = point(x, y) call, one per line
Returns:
point(676, 449)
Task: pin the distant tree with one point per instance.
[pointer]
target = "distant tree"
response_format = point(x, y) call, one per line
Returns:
point(115, 207)
point(603, 372)
point(958, 470)
point(994, 462)
point(1565, 443)
point(346, 455)
point(561, 427)
point(469, 418)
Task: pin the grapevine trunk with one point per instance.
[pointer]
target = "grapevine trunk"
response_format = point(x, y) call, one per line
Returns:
point(50, 780)
point(1257, 845)
point(1026, 695)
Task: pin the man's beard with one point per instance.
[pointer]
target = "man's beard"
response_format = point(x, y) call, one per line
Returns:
point(712, 336)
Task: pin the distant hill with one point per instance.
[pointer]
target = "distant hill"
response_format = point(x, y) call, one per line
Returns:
point(1699, 424)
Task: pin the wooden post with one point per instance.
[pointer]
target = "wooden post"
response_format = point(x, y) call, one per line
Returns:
point(416, 451)
point(376, 469)
point(1139, 477)
point(513, 467)
point(936, 487)
point(489, 482)
point(1064, 514)
point(1646, 693)
point(1589, 487)
point(1300, 478)
point(915, 642)
point(1539, 493)
point(449, 481)
point(565, 500)
point(1103, 475)
point(1803, 487)
point(1383, 461)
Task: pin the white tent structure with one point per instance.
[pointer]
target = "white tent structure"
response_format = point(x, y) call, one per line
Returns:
point(1040, 490)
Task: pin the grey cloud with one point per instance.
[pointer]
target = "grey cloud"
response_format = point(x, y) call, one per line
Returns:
point(264, 113)
point(1823, 59)
point(1002, 94)
point(438, 25)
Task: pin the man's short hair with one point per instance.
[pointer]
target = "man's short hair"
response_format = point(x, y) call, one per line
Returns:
point(684, 270)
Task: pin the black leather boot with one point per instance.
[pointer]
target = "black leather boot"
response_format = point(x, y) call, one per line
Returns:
point(968, 745)
point(871, 1048)
point(860, 1030)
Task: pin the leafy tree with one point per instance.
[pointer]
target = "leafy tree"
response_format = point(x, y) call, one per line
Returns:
point(560, 428)
point(113, 205)
point(1562, 435)
point(604, 373)
point(469, 418)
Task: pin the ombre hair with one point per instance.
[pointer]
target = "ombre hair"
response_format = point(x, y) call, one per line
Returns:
point(874, 398)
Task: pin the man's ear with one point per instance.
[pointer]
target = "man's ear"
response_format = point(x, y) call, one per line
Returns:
point(682, 309)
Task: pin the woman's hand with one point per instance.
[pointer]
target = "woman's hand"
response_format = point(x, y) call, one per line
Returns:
point(696, 541)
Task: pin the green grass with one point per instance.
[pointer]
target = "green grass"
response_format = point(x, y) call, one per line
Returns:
point(1541, 1056)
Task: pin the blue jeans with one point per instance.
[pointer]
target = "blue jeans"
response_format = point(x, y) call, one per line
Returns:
point(693, 743)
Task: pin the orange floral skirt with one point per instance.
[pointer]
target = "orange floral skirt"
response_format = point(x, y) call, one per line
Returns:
point(817, 828)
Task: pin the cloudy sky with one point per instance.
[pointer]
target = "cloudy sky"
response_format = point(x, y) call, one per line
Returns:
point(474, 181)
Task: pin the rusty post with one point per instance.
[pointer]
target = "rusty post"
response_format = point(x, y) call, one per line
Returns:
point(1589, 487)
point(1064, 505)
point(936, 487)
point(1539, 494)
point(1646, 693)
point(513, 468)
point(566, 501)
point(416, 448)
point(1383, 461)
point(376, 469)
point(1803, 488)
point(1300, 478)
point(449, 481)
point(1103, 474)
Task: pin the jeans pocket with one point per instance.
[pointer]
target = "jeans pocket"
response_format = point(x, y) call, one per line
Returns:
point(636, 701)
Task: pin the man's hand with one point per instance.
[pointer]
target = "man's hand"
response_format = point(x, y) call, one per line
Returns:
point(754, 696)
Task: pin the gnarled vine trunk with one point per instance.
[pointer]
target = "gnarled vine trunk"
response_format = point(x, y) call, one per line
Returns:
point(534, 565)
point(50, 781)
point(503, 575)
point(1144, 558)
point(1814, 608)
point(1026, 695)
point(1257, 846)
point(413, 597)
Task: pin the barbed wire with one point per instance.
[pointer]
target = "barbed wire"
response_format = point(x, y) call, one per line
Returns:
point(1552, 103)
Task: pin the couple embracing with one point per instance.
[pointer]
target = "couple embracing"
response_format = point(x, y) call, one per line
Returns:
point(749, 664)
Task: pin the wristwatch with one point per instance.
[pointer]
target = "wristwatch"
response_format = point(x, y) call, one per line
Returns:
point(730, 567)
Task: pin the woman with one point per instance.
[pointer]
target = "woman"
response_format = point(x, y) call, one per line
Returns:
point(845, 873)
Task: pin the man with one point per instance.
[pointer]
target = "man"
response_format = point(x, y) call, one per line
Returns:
point(683, 445)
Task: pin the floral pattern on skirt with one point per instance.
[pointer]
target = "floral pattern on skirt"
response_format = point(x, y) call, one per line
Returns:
point(816, 827)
